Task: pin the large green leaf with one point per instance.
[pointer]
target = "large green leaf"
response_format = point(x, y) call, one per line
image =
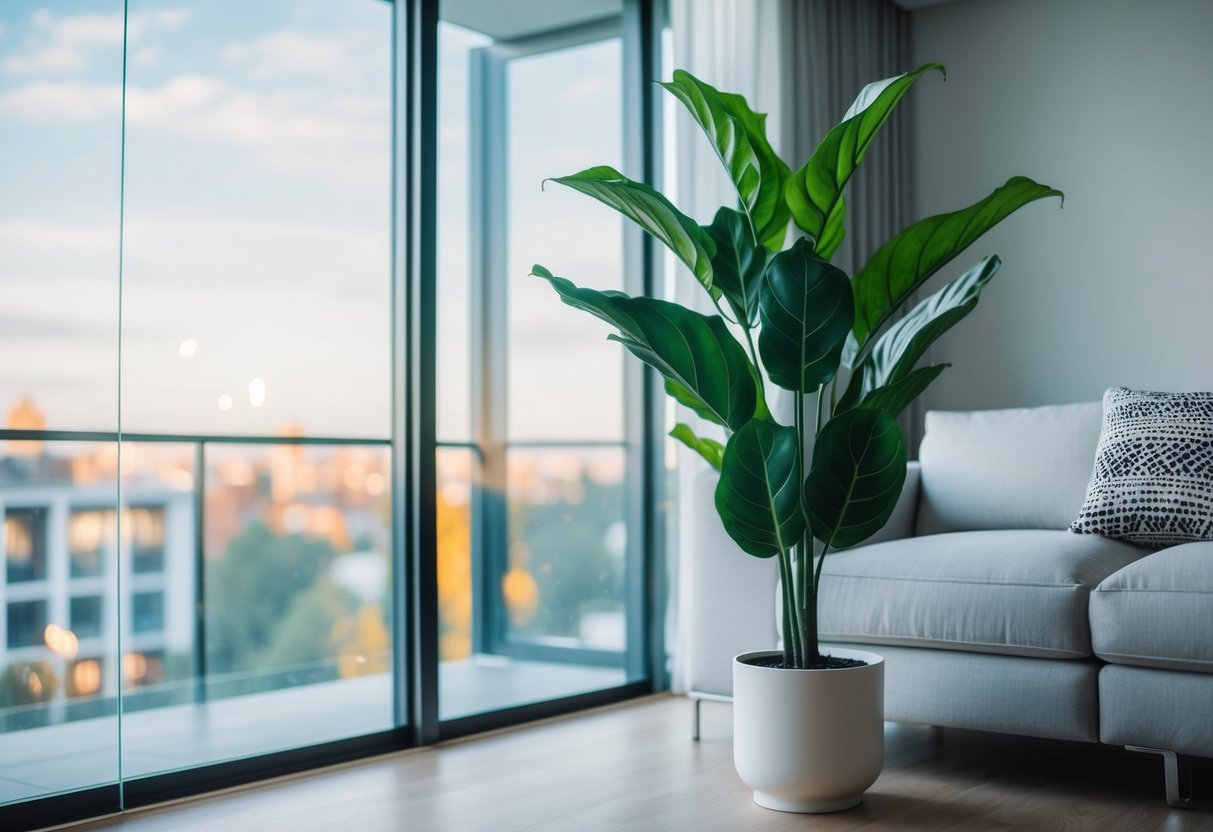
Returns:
point(692, 350)
point(895, 396)
point(739, 137)
point(806, 312)
point(814, 193)
point(711, 450)
point(758, 496)
point(900, 347)
point(654, 213)
point(738, 263)
point(905, 262)
point(859, 467)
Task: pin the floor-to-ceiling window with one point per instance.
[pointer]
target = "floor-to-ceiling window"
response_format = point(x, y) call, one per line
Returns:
point(60, 185)
point(531, 400)
point(201, 350)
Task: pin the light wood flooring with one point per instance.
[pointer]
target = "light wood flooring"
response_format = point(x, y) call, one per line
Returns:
point(634, 767)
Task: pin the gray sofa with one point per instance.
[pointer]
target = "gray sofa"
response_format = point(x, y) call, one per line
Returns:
point(990, 613)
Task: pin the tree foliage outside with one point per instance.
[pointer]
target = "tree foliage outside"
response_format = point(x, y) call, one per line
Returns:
point(563, 545)
point(276, 618)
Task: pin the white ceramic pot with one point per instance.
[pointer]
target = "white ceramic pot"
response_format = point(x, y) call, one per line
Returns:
point(808, 740)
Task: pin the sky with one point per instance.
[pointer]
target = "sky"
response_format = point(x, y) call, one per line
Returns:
point(255, 229)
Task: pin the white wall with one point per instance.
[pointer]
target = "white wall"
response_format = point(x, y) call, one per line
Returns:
point(1112, 102)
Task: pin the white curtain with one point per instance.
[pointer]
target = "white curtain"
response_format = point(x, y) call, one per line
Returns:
point(802, 62)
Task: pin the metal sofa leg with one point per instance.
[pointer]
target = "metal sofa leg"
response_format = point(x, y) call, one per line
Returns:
point(697, 698)
point(1178, 776)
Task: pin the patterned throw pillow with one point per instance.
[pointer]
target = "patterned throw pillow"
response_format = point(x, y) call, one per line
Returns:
point(1153, 477)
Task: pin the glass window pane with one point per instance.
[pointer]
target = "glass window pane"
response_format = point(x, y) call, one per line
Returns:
point(297, 605)
point(457, 471)
point(26, 623)
point(86, 616)
point(565, 383)
point(568, 540)
point(147, 612)
point(58, 658)
point(25, 544)
point(60, 131)
point(257, 262)
point(90, 533)
point(256, 305)
point(531, 531)
point(147, 538)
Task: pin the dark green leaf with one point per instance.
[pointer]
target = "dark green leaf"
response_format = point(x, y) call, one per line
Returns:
point(806, 312)
point(904, 263)
point(687, 398)
point(738, 264)
point(652, 212)
point(900, 347)
point(758, 496)
point(694, 351)
point(894, 397)
point(814, 193)
point(859, 466)
point(709, 449)
point(739, 136)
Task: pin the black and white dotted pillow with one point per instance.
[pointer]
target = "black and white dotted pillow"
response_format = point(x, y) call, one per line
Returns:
point(1153, 477)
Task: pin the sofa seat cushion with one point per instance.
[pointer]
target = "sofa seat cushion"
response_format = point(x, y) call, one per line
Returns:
point(1016, 592)
point(1158, 612)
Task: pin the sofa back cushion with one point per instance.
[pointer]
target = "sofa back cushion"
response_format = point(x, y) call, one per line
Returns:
point(1021, 468)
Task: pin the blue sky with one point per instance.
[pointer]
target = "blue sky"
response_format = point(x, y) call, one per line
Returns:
point(257, 220)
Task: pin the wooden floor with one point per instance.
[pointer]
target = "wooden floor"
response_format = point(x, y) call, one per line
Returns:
point(634, 767)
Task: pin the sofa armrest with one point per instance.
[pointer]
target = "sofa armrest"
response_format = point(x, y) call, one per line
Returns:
point(729, 599)
point(905, 513)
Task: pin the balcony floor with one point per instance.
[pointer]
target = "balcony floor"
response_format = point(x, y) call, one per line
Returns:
point(58, 758)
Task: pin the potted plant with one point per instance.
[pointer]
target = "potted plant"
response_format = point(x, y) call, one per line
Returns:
point(807, 727)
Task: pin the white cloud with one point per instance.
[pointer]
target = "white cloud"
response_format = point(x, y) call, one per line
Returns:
point(145, 57)
point(292, 132)
point(58, 102)
point(289, 53)
point(62, 45)
point(41, 237)
point(161, 20)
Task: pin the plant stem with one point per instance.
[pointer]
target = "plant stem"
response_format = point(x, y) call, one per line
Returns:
point(821, 398)
point(791, 636)
point(749, 339)
point(817, 571)
point(808, 617)
point(802, 573)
